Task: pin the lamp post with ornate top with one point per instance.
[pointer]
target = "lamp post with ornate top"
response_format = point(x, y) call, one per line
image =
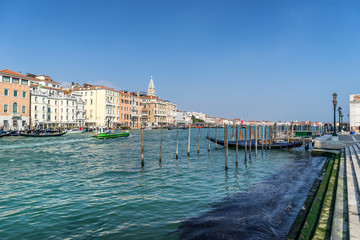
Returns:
point(339, 110)
point(334, 135)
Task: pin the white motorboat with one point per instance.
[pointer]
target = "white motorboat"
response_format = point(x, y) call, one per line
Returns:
point(76, 130)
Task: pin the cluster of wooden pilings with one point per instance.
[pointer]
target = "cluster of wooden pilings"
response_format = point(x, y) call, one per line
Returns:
point(265, 134)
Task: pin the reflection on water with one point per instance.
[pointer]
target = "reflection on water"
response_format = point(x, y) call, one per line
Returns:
point(79, 187)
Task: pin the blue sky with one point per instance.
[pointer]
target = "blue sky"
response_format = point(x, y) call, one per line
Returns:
point(257, 60)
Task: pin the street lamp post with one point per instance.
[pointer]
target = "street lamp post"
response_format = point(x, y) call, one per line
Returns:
point(342, 120)
point(334, 135)
point(339, 110)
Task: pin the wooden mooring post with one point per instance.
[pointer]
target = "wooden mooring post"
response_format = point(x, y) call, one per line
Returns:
point(245, 137)
point(177, 141)
point(262, 140)
point(237, 145)
point(250, 138)
point(142, 148)
point(256, 138)
point(288, 132)
point(189, 140)
point(233, 129)
point(226, 138)
point(209, 139)
point(199, 141)
point(161, 140)
point(216, 137)
point(266, 137)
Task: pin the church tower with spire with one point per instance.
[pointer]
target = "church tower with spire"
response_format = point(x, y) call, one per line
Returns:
point(151, 88)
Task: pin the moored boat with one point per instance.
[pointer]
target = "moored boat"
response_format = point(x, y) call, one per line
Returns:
point(275, 145)
point(40, 134)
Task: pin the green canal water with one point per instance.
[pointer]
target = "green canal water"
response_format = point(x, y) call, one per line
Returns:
point(78, 187)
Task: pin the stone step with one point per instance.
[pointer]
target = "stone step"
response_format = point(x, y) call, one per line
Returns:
point(323, 229)
point(353, 174)
point(340, 226)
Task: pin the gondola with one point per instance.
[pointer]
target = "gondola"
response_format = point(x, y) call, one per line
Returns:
point(42, 135)
point(275, 145)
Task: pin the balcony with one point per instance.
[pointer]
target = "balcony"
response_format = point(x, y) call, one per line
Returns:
point(110, 104)
point(16, 115)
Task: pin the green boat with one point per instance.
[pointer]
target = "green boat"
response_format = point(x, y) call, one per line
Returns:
point(108, 134)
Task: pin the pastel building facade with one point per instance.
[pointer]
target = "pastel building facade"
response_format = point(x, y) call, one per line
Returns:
point(101, 105)
point(354, 111)
point(136, 110)
point(14, 100)
point(125, 108)
point(51, 106)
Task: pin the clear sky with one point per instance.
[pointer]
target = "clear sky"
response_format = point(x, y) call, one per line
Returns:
point(257, 60)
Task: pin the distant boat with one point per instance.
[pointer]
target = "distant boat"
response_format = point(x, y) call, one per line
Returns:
point(170, 128)
point(241, 144)
point(76, 130)
point(38, 134)
point(103, 133)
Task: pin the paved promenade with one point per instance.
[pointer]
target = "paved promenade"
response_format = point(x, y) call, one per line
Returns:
point(340, 203)
point(332, 209)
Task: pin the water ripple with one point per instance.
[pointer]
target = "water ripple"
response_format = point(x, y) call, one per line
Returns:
point(77, 187)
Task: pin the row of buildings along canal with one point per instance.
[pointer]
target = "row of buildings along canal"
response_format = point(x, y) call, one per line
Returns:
point(38, 101)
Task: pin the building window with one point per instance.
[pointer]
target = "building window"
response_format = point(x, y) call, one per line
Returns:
point(67, 102)
point(6, 92)
point(48, 101)
point(48, 110)
point(43, 117)
point(6, 79)
point(6, 108)
point(73, 111)
point(85, 93)
point(55, 110)
point(24, 94)
point(35, 99)
point(90, 101)
point(61, 102)
point(15, 107)
point(24, 82)
point(43, 99)
point(35, 116)
point(15, 93)
point(55, 102)
point(43, 108)
point(23, 109)
point(55, 118)
point(23, 123)
point(35, 108)
point(67, 110)
point(15, 80)
point(91, 93)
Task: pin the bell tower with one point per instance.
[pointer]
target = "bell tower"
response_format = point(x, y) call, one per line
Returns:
point(151, 88)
